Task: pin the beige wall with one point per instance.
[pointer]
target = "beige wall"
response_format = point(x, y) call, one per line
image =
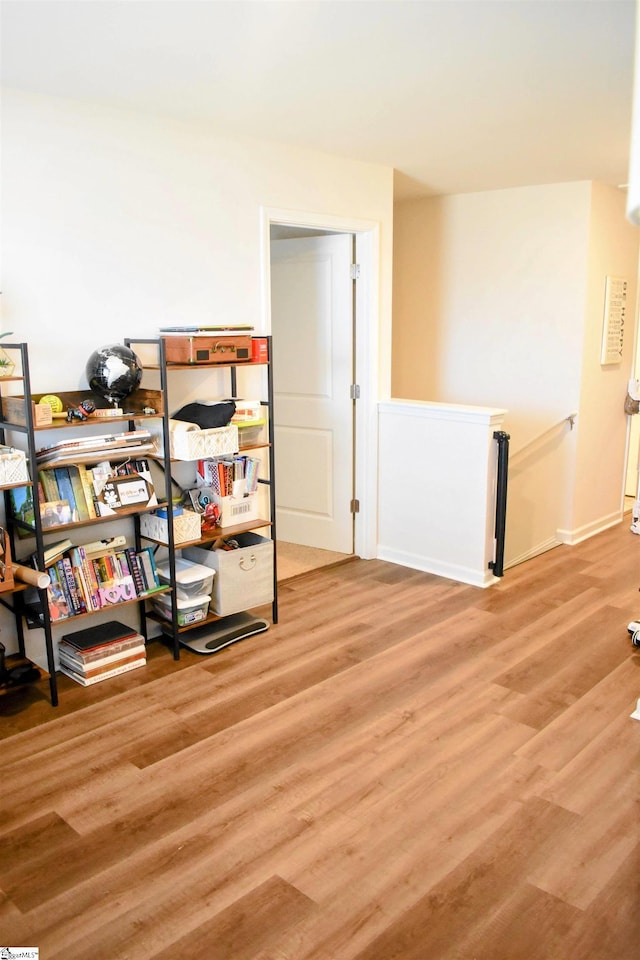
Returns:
point(498, 301)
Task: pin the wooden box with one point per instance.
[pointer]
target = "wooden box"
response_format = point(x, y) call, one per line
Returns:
point(14, 410)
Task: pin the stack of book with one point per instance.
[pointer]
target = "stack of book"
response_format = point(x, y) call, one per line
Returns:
point(101, 652)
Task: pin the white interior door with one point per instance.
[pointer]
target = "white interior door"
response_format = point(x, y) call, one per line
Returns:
point(312, 328)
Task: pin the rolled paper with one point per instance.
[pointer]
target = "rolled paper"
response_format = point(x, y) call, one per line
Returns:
point(182, 426)
point(28, 575)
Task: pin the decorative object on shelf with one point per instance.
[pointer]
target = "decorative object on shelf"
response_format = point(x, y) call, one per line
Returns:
point(82, 412)
point(7, 365)
point(13, 465)
point(113, 372)
point(54, 402)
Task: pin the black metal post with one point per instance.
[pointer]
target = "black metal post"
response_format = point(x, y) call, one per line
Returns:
point(502, 439)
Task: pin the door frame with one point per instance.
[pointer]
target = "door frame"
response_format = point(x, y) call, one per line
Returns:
point(367, 245)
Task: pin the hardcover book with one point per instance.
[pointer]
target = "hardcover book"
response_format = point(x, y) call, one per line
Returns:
point(99, 635)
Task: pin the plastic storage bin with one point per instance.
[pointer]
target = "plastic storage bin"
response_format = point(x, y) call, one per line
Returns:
point(192, 579)
point(189, 611)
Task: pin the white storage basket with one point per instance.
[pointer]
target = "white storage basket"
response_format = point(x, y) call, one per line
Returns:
point(244, 577)
point(189, 442)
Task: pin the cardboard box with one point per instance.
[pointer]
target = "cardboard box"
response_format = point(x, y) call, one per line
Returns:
point(235, 510)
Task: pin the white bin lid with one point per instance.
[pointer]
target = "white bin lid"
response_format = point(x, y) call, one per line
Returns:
point(187, 571)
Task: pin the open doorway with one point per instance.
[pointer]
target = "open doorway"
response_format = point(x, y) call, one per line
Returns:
point(313, 336)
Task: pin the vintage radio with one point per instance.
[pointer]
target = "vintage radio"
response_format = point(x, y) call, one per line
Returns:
point(208, 349)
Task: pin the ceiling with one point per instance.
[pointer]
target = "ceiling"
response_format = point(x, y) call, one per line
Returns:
point(455, 95)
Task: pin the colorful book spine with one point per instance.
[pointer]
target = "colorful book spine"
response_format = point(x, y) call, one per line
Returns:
point(136, 572)
point(78, 493)
point(59, 608)
point(81, 582)
point(65, 585)
point(63, 479)
point(90, 579)
point(149, 571)
point(50, 487)
point(87, 485)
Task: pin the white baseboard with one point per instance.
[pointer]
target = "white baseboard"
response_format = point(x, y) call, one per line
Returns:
point(572, 537)
point(474, 578)
point(533, 552)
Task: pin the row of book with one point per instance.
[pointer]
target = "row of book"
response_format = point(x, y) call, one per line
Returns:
point(233, 475)
point(101, 652)
point(76, 492)
point(88, 578)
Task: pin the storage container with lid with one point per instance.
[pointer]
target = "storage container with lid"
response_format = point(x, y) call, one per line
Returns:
point(192, 579)
point(188, 611)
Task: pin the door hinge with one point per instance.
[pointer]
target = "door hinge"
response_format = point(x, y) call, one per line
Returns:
point(354, 391)
point(354, 506)
point(355, 271)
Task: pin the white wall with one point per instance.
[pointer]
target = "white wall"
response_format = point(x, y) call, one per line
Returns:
point(495, 297)
point(115, 224)
point(437, 507)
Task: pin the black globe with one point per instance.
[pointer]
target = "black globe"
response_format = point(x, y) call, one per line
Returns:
point(113, 372)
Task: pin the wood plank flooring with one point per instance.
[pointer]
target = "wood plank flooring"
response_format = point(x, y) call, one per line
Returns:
point(404, 768)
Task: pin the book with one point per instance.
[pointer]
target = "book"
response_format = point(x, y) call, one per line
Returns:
point(21, 499)
point(55, 550)
point(107, 653)
point(99, 634)
point(59, 608)
point(149, 572)
point(63, 479)
point(98, 668)
point(47, 479)
point(77, 600)
point(77, 488)
point(61, 577)
point(84, 579)
point(206, 331)
point(86, 479)
point(87, 447)
point(97, 547)
point(116, 671)
point(136, 571)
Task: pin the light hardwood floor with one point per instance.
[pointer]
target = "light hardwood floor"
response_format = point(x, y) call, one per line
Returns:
point(405, 768)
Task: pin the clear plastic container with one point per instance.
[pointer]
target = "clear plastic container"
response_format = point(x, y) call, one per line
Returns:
point(192, 579)
point(189, 611)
